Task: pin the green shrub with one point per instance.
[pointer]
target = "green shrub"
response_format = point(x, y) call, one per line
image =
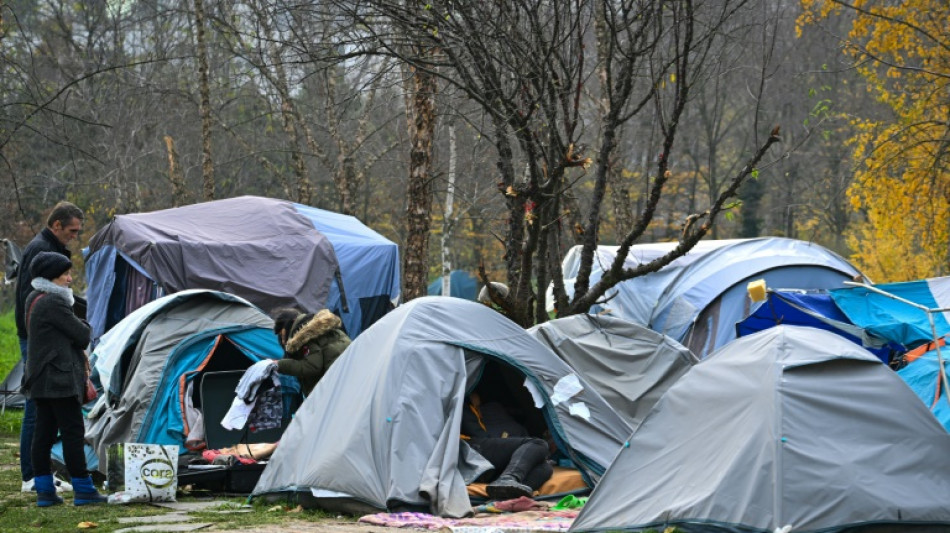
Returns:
point(9, 344)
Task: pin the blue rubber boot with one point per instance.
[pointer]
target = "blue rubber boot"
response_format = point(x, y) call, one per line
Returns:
point(46, 491)
point(85, 493)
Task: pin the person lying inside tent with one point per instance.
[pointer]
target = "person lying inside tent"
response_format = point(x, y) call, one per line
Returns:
point(519, 460)
point(311, 343)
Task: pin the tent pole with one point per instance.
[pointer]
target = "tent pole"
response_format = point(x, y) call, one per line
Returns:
point(941, 370)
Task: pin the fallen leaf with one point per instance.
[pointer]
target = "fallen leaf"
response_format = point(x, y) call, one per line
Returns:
point(87, 525)
point(275, 508)
point(298, 509)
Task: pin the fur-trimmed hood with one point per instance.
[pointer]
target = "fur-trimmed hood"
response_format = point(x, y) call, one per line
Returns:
point(305, 331)
point(47, 286)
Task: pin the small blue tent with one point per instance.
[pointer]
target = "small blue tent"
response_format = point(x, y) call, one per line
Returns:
point(274, 253)
point(462, 285)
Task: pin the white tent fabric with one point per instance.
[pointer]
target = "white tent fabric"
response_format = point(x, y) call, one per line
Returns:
point(698, 298)
point(382, 427)
point(630, 365)
point(791, 426)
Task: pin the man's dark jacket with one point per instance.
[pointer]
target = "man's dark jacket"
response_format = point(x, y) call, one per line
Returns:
point(45, 241)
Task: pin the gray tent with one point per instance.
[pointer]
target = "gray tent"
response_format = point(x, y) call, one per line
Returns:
point(630, 365)
point(792, 426)
point(151, 363)
point(10, 388)
point(381, 429)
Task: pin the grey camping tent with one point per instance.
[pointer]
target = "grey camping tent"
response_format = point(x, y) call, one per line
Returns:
point(381, 430)
point(791, 426)
point(630, 365)
point(152, 363)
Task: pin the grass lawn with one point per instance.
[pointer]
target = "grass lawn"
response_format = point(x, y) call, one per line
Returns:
point(18, 511)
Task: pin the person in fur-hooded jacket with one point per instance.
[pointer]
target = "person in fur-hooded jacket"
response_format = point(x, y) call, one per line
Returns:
point(311, 343)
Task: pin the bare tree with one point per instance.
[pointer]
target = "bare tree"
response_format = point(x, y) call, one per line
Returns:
point(527, 66)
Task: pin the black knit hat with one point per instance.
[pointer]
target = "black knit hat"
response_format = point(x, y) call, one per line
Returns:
point(49, 265)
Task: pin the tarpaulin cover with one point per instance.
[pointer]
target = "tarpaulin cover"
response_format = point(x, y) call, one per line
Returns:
point(273, 253)
point(894, 320)
point(815, 310)
point(924, 378)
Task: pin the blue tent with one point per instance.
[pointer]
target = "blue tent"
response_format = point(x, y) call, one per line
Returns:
point(274, 253)
point(814, 309)
point(463, 285)
point(698, 298)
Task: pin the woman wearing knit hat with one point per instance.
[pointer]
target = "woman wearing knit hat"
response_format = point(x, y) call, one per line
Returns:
point(55, 378)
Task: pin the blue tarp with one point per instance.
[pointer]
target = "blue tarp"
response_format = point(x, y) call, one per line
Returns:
point(894, 320)
point(923, 377)
point(813, 309)
point(463, 285)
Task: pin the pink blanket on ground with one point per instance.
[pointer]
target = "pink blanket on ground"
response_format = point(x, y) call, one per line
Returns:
point(509, 522)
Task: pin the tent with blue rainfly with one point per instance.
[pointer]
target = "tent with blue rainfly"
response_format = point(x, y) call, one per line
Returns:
point(274, 253)
point(698, 298)
point(380, 431)
point(151, 363)
point(814, 309)
point(462, 284)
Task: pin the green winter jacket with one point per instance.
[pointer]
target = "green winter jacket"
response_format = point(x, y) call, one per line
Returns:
point(315, 342)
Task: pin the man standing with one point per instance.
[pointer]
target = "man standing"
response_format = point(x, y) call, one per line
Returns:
point(62, 227)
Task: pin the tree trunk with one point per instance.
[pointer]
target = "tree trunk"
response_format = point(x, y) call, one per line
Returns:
point(421, 119)
point(179, 196)
point(448, 223)
point(204, 105)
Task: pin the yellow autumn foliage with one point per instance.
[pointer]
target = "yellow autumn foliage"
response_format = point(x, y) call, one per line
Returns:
point(901, 162)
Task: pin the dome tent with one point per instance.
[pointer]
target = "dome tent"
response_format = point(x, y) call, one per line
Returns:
point(381, 430)
point(698, 298)
point(791, 426)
